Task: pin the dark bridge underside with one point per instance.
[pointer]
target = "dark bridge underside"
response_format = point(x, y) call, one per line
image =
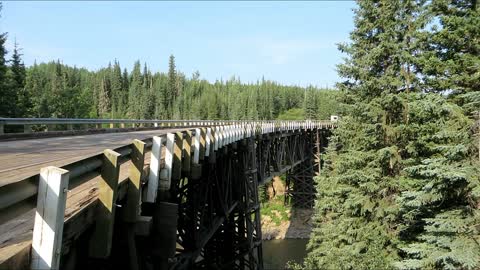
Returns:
point(218, 204)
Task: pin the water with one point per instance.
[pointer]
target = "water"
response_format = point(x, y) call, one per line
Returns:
point(276, 253)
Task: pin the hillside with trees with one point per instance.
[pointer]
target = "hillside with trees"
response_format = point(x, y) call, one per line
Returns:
point(400, 188)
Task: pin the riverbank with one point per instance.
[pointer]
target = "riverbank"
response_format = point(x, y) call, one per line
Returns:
point(280, 221)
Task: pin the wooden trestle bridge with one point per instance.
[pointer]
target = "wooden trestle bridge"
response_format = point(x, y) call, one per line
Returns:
point(184, 195)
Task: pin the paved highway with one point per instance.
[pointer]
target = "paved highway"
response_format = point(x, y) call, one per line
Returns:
point(24, 158)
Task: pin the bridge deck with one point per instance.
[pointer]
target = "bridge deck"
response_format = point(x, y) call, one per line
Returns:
point(16, 234)
point(24, 158)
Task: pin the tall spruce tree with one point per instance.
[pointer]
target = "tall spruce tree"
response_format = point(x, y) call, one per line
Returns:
point(7, 96)
point(172, 86)
point(399, 189)
point(135, 93)
point(18, 71)
point(356, 214)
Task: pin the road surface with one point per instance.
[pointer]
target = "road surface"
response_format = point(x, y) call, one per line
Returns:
point(24, 158)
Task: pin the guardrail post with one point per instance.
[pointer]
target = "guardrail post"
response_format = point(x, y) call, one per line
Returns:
point(154, 176)
point(69, 126)
point(208, 140)
point(196, 147)
point(177, 158)
point(133, 192)
point(27, 128)
point(166, 178)
point(203, 140)
point(187, 152)
point(101, 241)
point(49, 218)
point(2, 129)
point(132, 208)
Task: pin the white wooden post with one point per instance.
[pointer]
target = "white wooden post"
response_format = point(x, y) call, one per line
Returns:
point(221, 136)
point(215, 140)
point(154, 176)
point(208, 139)
point(166, 174)
point(49, 217)
point(196, 148)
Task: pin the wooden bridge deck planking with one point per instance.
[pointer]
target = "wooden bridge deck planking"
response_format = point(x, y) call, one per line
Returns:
point(24, 158)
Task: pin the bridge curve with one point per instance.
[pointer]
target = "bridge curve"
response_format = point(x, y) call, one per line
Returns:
point(204, 174)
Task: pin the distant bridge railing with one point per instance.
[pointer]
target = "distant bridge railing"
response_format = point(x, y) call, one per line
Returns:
point(34, 125)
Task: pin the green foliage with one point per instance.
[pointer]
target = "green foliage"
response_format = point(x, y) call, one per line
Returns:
point(56, 90)
point(400, 188)
point(438, 209)
point(292, 114)
point(451, 59)
point(276, 209)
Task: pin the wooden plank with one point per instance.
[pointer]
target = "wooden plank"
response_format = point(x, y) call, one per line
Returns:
point(101, 241)
point(154, 175)
point(132, 208)
point(48, 226)
point(166, 178)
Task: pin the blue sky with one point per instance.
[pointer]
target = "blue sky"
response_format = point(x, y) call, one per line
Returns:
point(289, 42)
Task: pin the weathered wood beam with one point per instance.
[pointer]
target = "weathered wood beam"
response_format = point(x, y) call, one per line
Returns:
point(48, 226)
point(101, 241)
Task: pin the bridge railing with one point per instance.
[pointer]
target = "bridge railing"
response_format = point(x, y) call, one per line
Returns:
point(37, 125)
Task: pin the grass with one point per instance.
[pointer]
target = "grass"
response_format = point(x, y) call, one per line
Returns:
point(276, 210)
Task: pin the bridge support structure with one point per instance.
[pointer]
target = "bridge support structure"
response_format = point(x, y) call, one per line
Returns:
point(300, 183)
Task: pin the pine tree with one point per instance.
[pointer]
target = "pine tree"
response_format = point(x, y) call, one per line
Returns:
point(172, 86)
point(310, 103)
point(104, 103)
point(451, 62)
point(7, 96)
point(118, 95)
point(135, 92)
point(23, 103)
point(439, 207)
point(356, 214)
